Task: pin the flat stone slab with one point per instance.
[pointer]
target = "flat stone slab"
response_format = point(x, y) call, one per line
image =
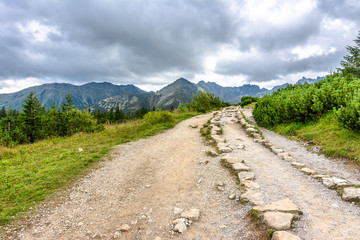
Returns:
point(281, 205)
point(251, 130)
point(240, 167)
point(217, 138)
point(278, 220)
point(289, 159)
point(225, 149)
point(277, 150)
point(192, 214)
point(246, 176)
point(231, 159)
point(253, 196)
point(308, 171)
point(250, 184)
point(221, 144)
point(179, 225)
point(297, 165)
point(334, 182)
point(351, 193)
point(319, 176)
point(193, 125)
point(282, 235)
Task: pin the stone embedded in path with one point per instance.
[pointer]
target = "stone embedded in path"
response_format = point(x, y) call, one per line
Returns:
point(232, 196)
point(319, 176)
point(334, 182)
point(240, 146)
point(281, 205)
point(217, 138)
point(278, 220)
point(178, 210)
point(222, 145)
point(351, 193)
point(180, 225)
point(213, 153)
point(250, 130)
point(282, 235)
point(240, 167)
point(193, 125)
point(308, 171)
point(245, 176)
point(225, 149)
point(232, 160)
point(297, 165)
point(192, 214)
point(253, 196)
point(289, 159)
point(277, 150)
point(250, 184)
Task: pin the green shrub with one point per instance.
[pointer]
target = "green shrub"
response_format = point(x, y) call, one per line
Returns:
point(159, 117)
point(349, 115)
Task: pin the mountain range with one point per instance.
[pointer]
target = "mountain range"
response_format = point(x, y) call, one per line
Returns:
point(129, 98)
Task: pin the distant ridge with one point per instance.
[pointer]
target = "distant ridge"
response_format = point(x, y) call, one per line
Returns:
point(129, 98)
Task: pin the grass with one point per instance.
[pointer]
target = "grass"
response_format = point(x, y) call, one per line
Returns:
point(335, 140)
point(29, 173)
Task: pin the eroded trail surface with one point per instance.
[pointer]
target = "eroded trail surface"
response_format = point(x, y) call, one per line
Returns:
point(146, 185)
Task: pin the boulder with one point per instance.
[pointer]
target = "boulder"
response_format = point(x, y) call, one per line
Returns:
point(282, 235)
point(278, 220)
point(351, 193)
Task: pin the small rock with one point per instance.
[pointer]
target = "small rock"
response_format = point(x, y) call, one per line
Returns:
point(277, 150)
point(253, 196)
point(213, 153)
point(124, 228)
point(250, 129)
point(308, 171)
point(117, 235)
point(232, 160)
point(281, 205)
point(203, 162)
point(80, 149)
point(148, 186)
point(278, 220)
point(80, 224)
point(240, 167)
point(245, 176)
point(297, 165)
point(289, 158)
point(316, 149)
point(334, 182)
point(179, 225)
point(157, 238)
point(193, 125)
point(192, 214)
point(178, 210)
point(222, 145)
point(232, 196)
point(351, 193)
point(319, 176)
point(240, 146)
point(282, 235)
point(222, 226)
point(133, 222)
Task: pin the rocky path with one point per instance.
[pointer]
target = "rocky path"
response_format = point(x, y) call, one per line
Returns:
point(168, 187)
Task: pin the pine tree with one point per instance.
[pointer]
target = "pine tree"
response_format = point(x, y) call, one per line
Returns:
point(68, 104)
point(351, 62)
point(31, 117)
point(3, 112)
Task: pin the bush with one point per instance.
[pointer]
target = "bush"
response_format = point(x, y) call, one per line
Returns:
point(349, 115)
point(159, 117)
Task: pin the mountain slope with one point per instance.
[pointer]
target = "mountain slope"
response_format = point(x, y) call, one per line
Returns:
point(56, 92)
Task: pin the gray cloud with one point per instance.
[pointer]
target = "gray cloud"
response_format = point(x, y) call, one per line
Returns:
point(133, 41)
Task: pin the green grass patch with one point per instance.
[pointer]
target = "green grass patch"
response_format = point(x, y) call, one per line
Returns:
point(29, 173)
point(326, 132)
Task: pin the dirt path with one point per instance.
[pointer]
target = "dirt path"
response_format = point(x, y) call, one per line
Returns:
point(140, 187)
point(145, 181)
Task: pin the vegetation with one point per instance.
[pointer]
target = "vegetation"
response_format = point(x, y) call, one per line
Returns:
point(205, 102)
point(327, 112)
point(246, 100)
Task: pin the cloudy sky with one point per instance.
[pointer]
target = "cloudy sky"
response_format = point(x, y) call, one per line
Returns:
point(152, 43)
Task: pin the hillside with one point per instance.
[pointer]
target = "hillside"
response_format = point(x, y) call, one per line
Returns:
point(55, 92)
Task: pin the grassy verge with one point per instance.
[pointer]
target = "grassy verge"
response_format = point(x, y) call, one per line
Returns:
point(335, 140)
point(28, 173)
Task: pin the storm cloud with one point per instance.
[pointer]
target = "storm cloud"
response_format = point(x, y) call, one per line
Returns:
point(152, 43)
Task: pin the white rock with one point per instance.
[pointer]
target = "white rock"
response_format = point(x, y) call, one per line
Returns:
point(180, 225)
point(297, 165)
point(250, 184)
point(308, 171)
point(277, 150)
point(221, 144)
point(278, 220)
point(282, 235)
point(334, 182)
point(232, 160)
point(240, 167)
point(351, 193)
point(225, 149)
point(281, 205)
point(232, 196)
point(253, 196)
point(319, 176)
point(80, 149)
point(192, 214)
point(193, 125)
point(245, 176)
point(124, 228)
point(178, 210)
point(117, 235)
